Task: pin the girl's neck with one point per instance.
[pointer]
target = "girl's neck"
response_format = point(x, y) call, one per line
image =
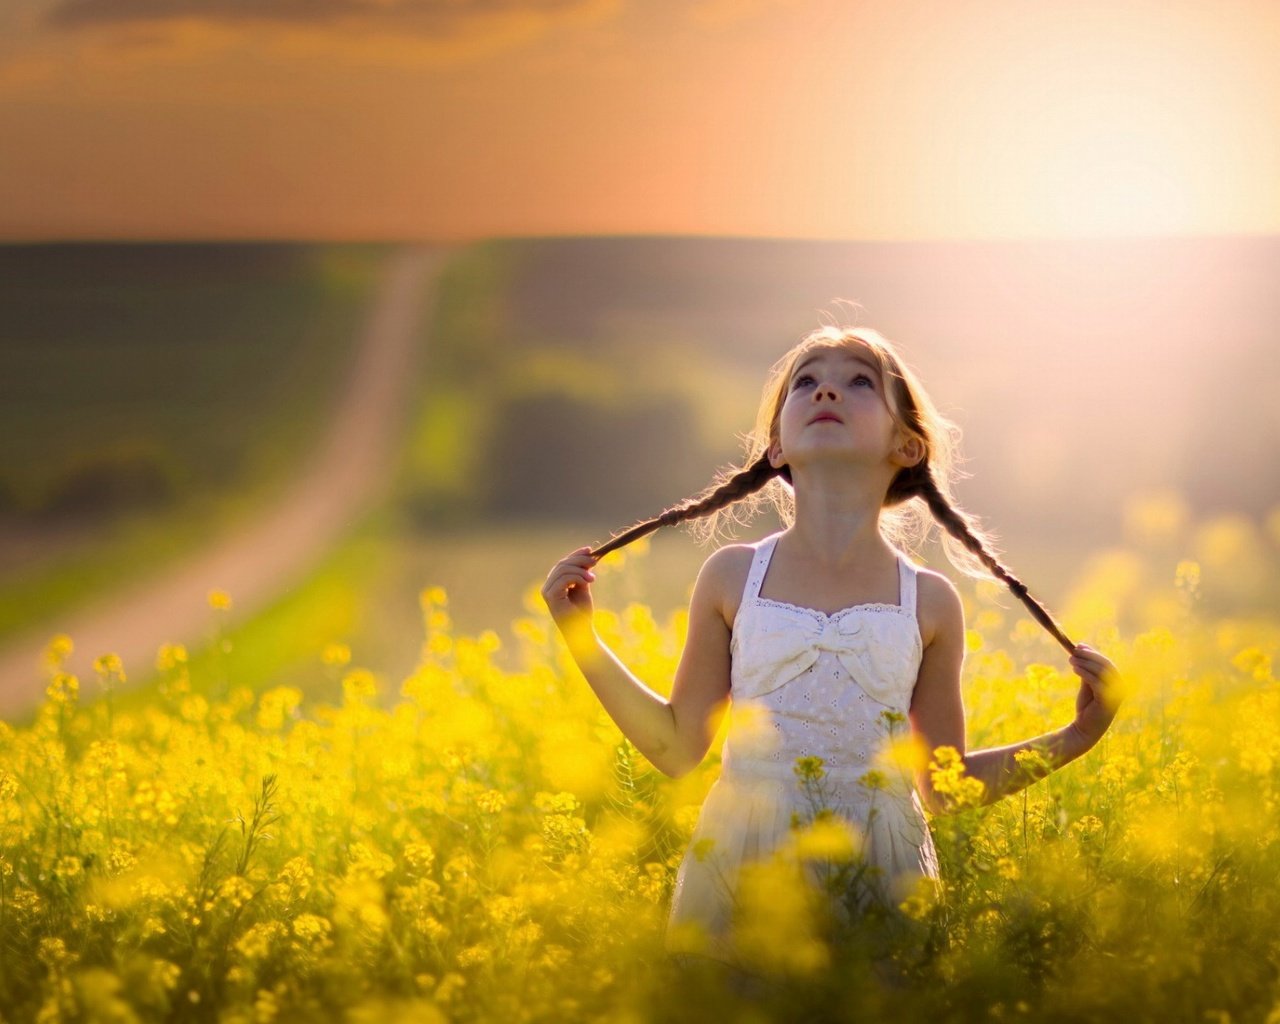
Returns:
point(835, 538)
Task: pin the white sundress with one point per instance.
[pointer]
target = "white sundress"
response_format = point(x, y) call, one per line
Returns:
point(805, 683)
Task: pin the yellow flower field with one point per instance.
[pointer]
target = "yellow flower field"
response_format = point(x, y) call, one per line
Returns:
point(477, 844)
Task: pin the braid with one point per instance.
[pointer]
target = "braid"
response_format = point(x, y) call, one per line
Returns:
point(921, 483)
point(738, 486)
point(956, 524)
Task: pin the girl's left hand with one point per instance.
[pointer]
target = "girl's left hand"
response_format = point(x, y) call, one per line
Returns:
point(1099, 697)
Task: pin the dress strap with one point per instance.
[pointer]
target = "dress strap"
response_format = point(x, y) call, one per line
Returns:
point(759, 566)
point(906, 583)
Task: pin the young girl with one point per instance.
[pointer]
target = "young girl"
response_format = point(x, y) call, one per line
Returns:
point(824, 636)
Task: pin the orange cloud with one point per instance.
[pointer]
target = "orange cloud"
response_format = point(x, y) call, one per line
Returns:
point(427, 17)
point(121, 36)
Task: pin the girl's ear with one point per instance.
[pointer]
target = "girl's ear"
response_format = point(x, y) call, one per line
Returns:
point(910, 451)
point(775, 455)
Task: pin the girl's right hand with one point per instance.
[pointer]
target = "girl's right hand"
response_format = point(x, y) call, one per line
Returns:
point(1100, 692)
point(567, 591)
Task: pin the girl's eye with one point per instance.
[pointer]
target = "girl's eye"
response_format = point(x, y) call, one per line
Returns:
point(807, 377)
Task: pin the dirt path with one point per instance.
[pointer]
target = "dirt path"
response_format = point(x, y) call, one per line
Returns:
point(346, 474)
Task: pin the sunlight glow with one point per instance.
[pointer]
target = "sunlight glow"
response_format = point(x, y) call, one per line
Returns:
point(1116, 182)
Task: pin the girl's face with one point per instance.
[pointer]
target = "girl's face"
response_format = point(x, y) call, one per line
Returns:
point(835, 407)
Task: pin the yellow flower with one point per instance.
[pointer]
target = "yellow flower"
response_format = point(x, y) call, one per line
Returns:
point(419, 857)
point(165, 974)
point(1255, 662)
point(367, 862)
point(219, 600)
point(1118, 771)
point(170, 656)
point(257, 942)
point(64, 690)
point(438, 646)
point(1226, 541)
point(893, 719)
point(68, 867)
point(358, 685)
point(902, 756)
point(829, 838)
point(58, 650)
point(194, 708)
point(266, 1006)
point(449, 987)
point(810, 768)
point(474, 955)
point(236, 891)
point(336, 654)
point(777, 927)
point(310, 927)
point(873, 779)
point(109, 669)
point(1157, 517)
point(505, 911)
point(923, 898)
point(950, 781)
point(121, 857)
point(556, 803)
point(55, 955)
point(1087, 828)
point(1032, 761)
point(276, 705)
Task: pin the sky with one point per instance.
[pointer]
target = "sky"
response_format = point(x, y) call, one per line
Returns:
point(460, 119)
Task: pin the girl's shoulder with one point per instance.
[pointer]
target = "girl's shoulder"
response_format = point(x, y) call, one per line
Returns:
point(727, 569)
point(938, 604)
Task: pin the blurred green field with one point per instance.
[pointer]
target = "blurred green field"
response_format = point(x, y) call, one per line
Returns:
point(566, 382)
point(545, 419)
point(392, 795)
point(153, 396)
point(524, 445)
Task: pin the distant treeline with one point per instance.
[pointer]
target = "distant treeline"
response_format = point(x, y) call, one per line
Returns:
point(526, 421)
point(137, 376)
point(612, 376)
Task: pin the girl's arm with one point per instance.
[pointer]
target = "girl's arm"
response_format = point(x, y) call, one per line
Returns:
point(937, 712)
point(673, 734)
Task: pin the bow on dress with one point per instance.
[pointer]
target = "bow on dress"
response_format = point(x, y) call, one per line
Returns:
point(874, 650)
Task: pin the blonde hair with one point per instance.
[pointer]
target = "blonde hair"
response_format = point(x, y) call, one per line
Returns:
point(917, 497)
